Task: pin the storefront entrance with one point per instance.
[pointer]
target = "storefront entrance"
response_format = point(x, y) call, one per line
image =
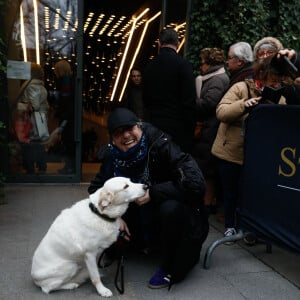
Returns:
point(79, 53)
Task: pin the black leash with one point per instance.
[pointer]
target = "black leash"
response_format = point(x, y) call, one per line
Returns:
point(120, 272)
point(119, 277)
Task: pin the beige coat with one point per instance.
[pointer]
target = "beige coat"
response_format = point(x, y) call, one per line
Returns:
point(229, 142)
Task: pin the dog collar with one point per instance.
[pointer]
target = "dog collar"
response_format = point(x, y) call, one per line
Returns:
point(103, 216)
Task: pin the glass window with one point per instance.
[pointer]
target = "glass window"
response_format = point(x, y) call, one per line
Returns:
point(42, 67)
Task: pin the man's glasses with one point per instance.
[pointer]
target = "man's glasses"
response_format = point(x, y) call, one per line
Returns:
point(231, 57)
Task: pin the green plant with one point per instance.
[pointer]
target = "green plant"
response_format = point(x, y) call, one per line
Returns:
point(219, 23)
point(288, 23)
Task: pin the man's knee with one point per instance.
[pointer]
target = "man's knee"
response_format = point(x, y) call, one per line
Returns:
point(170, 209)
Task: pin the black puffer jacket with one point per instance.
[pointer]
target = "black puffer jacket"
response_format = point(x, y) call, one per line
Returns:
point(173, 174)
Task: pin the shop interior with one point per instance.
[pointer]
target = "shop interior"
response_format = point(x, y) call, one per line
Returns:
point(117, 35)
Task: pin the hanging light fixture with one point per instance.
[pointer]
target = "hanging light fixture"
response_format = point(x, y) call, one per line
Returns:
point(36, 28)
point(23, 37)
point(137, 51)
point(135, 20)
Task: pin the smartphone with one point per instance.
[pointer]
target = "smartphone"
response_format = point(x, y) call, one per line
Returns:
point(271, 94)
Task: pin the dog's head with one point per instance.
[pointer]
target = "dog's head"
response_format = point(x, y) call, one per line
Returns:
point(114, 197)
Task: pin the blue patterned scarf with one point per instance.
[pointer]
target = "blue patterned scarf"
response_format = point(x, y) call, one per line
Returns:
point(131, 163)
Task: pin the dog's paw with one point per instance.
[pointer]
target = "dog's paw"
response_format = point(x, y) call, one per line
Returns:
point(104, 292)
point(70, 286)
point(46, 290)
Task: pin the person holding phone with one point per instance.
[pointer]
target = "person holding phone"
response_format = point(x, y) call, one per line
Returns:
point(228, 145)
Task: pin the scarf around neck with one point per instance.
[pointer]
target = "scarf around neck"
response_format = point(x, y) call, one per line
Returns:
point(201, 78)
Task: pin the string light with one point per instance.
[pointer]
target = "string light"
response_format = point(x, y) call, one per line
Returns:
point(126, 51)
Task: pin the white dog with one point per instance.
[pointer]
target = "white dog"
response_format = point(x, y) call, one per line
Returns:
point(68, 253)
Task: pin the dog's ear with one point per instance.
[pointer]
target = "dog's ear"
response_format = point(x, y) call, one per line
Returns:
point(105, 198)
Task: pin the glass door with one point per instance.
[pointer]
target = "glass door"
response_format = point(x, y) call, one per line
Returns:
point(44, 85)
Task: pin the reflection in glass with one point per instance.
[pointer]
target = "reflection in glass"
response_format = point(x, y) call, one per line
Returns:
point(44, 33)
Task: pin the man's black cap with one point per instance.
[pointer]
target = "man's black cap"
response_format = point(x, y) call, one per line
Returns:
point(121, 117)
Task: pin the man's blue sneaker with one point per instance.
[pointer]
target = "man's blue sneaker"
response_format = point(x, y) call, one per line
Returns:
point(159, 280)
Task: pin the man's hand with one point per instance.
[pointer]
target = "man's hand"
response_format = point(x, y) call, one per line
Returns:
point(290, 53)
point(143, 200)
point(124, 228)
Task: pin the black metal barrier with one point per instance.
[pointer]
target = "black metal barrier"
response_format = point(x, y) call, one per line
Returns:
point(269, 204)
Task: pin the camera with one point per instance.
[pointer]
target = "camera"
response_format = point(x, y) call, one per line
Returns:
point(285, 66)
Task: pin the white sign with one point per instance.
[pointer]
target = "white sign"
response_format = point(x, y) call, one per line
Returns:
point(18, 69)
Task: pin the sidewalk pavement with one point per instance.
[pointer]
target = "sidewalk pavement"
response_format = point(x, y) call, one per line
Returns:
point(236, 272)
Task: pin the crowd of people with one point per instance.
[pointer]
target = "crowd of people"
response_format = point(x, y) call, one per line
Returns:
point(181, 136)
point(187, 144)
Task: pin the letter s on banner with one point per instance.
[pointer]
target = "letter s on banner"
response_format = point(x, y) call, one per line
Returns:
point(287, 160)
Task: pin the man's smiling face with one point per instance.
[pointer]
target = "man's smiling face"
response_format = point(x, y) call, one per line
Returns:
point(126, 137)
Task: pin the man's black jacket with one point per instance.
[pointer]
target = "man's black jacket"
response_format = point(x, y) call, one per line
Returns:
point(173, 174)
